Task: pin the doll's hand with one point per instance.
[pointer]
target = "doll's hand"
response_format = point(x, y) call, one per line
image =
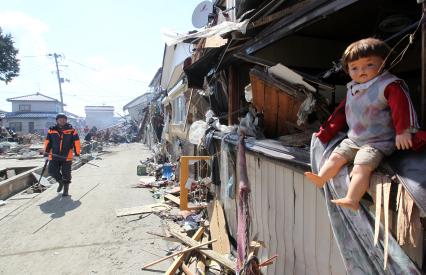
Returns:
point(403, 141)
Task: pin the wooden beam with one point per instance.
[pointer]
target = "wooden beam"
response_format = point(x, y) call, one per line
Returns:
point(233, 96)
point(228, 264)
point(175, 265)
point(177, 253)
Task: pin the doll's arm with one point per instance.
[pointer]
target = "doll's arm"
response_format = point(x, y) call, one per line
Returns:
point(403, 115)
point(334, 124)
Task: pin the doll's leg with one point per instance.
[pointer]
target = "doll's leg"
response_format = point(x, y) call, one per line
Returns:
point(330, 168)
point(357, 187)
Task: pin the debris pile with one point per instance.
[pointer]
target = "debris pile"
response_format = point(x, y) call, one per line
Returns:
point(192, 216)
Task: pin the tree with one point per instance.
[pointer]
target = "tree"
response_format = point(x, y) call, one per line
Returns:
point(9, 64)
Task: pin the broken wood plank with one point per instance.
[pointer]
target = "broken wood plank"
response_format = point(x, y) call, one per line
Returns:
point(186, 270)
point(230, 265)
point(378, 202)
point(141, 209)
point(386, 194)
point(177, 253)
point(201, 264)
point(176, 200)
point(218, 229)
point(175, 265)
point(172, 198)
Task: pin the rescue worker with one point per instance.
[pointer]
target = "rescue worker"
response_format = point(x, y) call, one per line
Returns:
point(61, 140)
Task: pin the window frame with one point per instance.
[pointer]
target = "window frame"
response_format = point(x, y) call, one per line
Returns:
point(13, 125)
point(27, 108)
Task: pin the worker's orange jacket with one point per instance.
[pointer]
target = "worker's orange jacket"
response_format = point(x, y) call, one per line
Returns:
point(61, 142)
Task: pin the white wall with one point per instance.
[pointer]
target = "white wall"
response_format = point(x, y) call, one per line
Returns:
point(100, 120)
point(42, 106)
point(174, 56)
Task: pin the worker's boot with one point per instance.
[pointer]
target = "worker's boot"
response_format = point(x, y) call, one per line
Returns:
point(60, 186)
point(65, 193)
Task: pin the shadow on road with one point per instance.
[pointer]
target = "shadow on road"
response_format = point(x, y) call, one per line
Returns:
point(58, 206)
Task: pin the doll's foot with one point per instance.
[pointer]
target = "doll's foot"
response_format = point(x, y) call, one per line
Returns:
point(315, 179)
point(347, 203)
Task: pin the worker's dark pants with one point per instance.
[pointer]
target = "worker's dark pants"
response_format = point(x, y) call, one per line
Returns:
point(60, 170)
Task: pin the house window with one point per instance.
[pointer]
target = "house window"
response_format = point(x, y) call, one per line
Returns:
point(179, 113)
point(15, 126)
point(24, 107)
point(31, 127)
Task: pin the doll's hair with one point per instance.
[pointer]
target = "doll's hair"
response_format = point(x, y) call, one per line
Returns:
point(364, 48)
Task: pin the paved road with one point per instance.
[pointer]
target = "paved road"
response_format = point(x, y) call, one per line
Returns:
point(49, 234)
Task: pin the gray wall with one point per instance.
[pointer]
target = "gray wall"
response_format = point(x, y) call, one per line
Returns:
point(41, 125)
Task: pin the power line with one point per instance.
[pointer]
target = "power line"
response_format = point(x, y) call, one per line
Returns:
point(30, 56)
point(99, 71)
point(82, 65)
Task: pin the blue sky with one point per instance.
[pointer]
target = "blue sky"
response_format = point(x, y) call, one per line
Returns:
point(111, 49)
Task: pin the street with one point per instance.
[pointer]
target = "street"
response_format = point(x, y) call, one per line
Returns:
point(51, 234)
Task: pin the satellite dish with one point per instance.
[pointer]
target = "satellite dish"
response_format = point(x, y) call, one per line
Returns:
point(200, 16)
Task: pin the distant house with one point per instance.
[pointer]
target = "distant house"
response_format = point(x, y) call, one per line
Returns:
point(137, 105)
point(33, 113)
point(99, 116)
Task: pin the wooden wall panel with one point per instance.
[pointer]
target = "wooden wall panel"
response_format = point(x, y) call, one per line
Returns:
point(285, 108)
point(290, 216)
point(299, 264)
point(271, 113)
point(258, 88)
point(251, 172)
point(289, 220)
point(323, 236)
point(309, 226)
point(272, 213)
point(279, 221)
point(265, 235)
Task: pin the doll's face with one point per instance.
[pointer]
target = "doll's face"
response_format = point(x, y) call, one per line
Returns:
point(364, 69)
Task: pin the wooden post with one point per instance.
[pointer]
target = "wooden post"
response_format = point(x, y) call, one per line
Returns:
point(233, 96)
point(423, 77)
point(184, 174)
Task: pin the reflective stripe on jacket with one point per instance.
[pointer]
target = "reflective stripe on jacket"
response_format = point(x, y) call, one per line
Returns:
point(60, 143)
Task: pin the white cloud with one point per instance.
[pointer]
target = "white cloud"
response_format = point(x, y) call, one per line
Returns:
point(27, 29)
point(95, 81)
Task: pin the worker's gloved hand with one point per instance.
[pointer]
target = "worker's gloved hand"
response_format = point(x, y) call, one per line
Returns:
point(76, 157)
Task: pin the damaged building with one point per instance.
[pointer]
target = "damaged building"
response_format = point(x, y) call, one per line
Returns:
point(273, 69)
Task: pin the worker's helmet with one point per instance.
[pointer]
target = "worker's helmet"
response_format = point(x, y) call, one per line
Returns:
point(61, 115)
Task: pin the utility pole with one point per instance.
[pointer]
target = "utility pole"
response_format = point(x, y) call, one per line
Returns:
point(55, 55)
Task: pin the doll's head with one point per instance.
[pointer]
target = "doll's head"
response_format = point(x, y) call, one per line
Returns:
point(363, 59)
